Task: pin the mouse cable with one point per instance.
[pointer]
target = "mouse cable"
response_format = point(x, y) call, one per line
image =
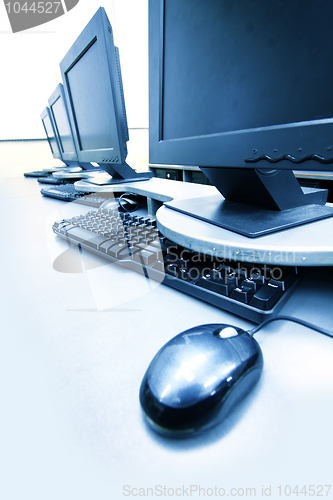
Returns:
point(294, 320)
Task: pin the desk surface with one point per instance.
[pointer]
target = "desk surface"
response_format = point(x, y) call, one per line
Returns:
point(305, 245)
point(75, 346)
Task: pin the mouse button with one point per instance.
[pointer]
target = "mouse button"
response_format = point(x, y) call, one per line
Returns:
point(246, 346)
point(171, 368)
point(182, 375)
point(226, 332)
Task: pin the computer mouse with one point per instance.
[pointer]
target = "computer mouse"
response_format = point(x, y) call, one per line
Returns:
point(198, 377)
point(125, 203)
point(128, 202)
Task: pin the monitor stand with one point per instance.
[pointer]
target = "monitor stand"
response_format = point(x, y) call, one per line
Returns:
point(256, 202)
point(77, 166)
point(120, 174)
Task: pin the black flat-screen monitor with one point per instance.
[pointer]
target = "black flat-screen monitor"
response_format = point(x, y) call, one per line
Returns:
point(93, 87)
point(243, 90)
point(50, 133)
point(63, 130)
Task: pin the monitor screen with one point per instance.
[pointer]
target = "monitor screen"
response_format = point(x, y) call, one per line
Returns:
point(50, 133)
point(87, 85)
point(244, 65)
point(243, 91)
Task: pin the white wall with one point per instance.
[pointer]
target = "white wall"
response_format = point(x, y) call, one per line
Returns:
point(30, 63)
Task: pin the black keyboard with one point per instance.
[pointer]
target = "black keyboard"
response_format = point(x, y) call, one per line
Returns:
point(252, 291)
point(54, 181)
point(67, 192)
point(38, 173)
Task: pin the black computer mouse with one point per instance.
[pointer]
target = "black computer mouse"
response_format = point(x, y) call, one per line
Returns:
point(197, 378)
point(128, 202)
point(125, 203)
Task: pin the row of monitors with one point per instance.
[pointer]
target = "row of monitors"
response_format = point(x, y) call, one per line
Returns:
point(85, 121)
point(212, 103)
point(244, 93)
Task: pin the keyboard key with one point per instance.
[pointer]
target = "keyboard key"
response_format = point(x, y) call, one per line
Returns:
point(184, 274)
point(250, 284)
point(172, 269)
point(242, 294)
point(65, 226)
point(156, 250)
point(106, 244)
point(159, 266)
point(217, 286)
point(84, 236)
point(145, 257)
point(267, 296)
point(121, 251)
point(284, 280)
point(117, 249)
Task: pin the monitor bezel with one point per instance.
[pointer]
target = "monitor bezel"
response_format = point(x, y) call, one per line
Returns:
point(262, 148)
point(99, 29)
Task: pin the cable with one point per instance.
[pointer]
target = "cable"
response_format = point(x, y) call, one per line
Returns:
point(294, 320)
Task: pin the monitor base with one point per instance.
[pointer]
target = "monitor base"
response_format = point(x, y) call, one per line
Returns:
point(248, 220)
point(112, 181)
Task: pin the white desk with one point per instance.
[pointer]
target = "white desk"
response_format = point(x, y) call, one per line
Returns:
point(72, 363)
point(306, 245)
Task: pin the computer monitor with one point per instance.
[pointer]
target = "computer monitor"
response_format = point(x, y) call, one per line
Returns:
point(63, 130)
point(93, 87)
point(50, 133)
point(243, 90)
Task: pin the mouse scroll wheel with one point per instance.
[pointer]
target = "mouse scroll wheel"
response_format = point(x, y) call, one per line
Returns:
point(227, 332)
